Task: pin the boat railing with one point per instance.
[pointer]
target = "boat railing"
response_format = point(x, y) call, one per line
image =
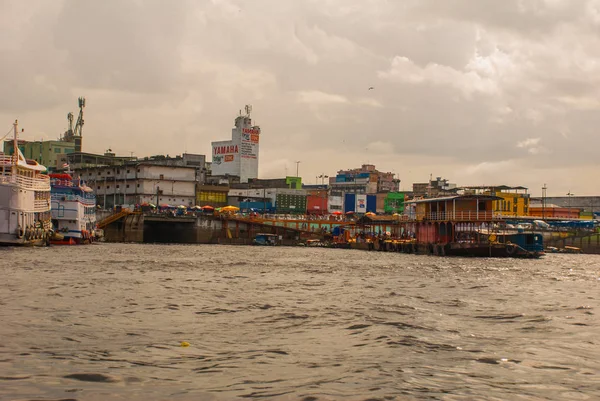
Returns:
point(41, 205)
point(40, 183)
point(74, 198)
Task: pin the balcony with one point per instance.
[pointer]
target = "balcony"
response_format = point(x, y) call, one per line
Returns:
point(459, 216)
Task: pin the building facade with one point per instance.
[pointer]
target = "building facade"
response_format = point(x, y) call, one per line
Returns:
point(47, 153)
point(138, 183)
point(364, 180)
point(434, 188)
point(239, 155)
point(514, 202)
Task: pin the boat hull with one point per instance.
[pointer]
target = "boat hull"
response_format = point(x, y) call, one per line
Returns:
point(12, 240)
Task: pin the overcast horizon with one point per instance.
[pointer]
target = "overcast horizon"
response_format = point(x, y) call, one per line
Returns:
point(477, 92)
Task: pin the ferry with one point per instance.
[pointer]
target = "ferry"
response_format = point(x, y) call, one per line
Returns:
point(25, 217)
point(73, 210)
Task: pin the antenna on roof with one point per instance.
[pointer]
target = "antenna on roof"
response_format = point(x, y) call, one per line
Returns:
point(248, 109)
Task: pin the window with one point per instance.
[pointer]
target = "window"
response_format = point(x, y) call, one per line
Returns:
point(108, 172)
point(98, 186)
point(138, 170)
point(56, 150)
point(127, 171)
point(107, 187)
point(162, 177)
point(118, 171)
point(138, 185)
point(117, 186)
point(127, 186)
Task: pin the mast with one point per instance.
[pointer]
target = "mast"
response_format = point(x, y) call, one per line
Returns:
point(15, 146)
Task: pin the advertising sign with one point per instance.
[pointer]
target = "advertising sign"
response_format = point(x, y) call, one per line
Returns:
point(249, 143)
point(361, 203)
point(224, 159)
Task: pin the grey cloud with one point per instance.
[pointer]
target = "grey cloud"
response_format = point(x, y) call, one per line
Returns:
point(458, 84)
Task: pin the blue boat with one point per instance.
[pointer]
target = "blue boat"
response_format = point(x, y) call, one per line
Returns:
point(266, 239)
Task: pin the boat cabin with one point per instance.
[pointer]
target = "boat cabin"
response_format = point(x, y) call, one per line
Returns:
point(442, 220)
point(455, 208)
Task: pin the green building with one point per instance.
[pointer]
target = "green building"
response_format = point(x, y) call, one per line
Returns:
point(47, 153)
point(394, 203)
point(293, 182)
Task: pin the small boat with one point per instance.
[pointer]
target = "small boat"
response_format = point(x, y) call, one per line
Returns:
point(266, 239)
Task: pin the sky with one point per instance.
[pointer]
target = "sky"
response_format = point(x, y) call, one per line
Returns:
point(481, 92)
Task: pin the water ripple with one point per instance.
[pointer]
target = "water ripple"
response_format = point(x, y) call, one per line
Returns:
point(302, 324)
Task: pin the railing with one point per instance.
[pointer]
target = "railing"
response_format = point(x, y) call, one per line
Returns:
point(40, 183)
point(459, 216)
point(41, 205)
point(6, 159)
point(112, 218)
point(74, 198)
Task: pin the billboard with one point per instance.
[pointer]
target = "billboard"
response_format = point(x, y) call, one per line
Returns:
point(361, 204)
point(225, 158)
point(249, 139)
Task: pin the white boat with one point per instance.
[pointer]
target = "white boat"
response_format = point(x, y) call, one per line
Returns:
point(25, 217)
point(73, 210)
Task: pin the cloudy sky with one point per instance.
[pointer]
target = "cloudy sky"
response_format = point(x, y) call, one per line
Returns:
point(481, 92)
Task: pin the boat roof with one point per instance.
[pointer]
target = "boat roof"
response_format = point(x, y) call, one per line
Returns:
point(61, 176)
point(456, 197)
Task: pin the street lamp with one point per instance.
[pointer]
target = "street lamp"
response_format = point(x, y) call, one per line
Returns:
point(570, 195)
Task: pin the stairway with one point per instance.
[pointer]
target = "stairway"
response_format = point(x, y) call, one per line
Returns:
point(113, 217)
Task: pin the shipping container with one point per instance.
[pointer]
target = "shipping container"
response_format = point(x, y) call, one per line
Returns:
point(371, 203)
point(349, 203)
point(316, 204)
point(290, 204)
point(256, 206)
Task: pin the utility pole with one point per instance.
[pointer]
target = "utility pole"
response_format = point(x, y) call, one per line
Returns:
point(544, 188)
point(157, 193)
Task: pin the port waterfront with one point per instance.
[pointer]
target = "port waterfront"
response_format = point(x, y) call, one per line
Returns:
point(392, 233)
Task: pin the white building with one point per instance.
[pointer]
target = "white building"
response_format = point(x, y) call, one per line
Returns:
point(138, 183)
point(238, 156)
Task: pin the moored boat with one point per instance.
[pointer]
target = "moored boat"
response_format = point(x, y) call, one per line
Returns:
point(73, 210)
point(24, 199)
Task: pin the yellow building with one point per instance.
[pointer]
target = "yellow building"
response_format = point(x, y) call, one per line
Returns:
point(515, 200)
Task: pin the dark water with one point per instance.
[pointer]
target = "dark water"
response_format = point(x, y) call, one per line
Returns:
point(105, 322)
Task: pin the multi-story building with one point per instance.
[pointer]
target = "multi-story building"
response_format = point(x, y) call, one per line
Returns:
point(135, 183)
point(48, 153)
point(239, 155)
point(364, 180)
point(434, 188)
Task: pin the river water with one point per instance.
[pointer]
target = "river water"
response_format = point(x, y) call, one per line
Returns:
point(106, 322)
